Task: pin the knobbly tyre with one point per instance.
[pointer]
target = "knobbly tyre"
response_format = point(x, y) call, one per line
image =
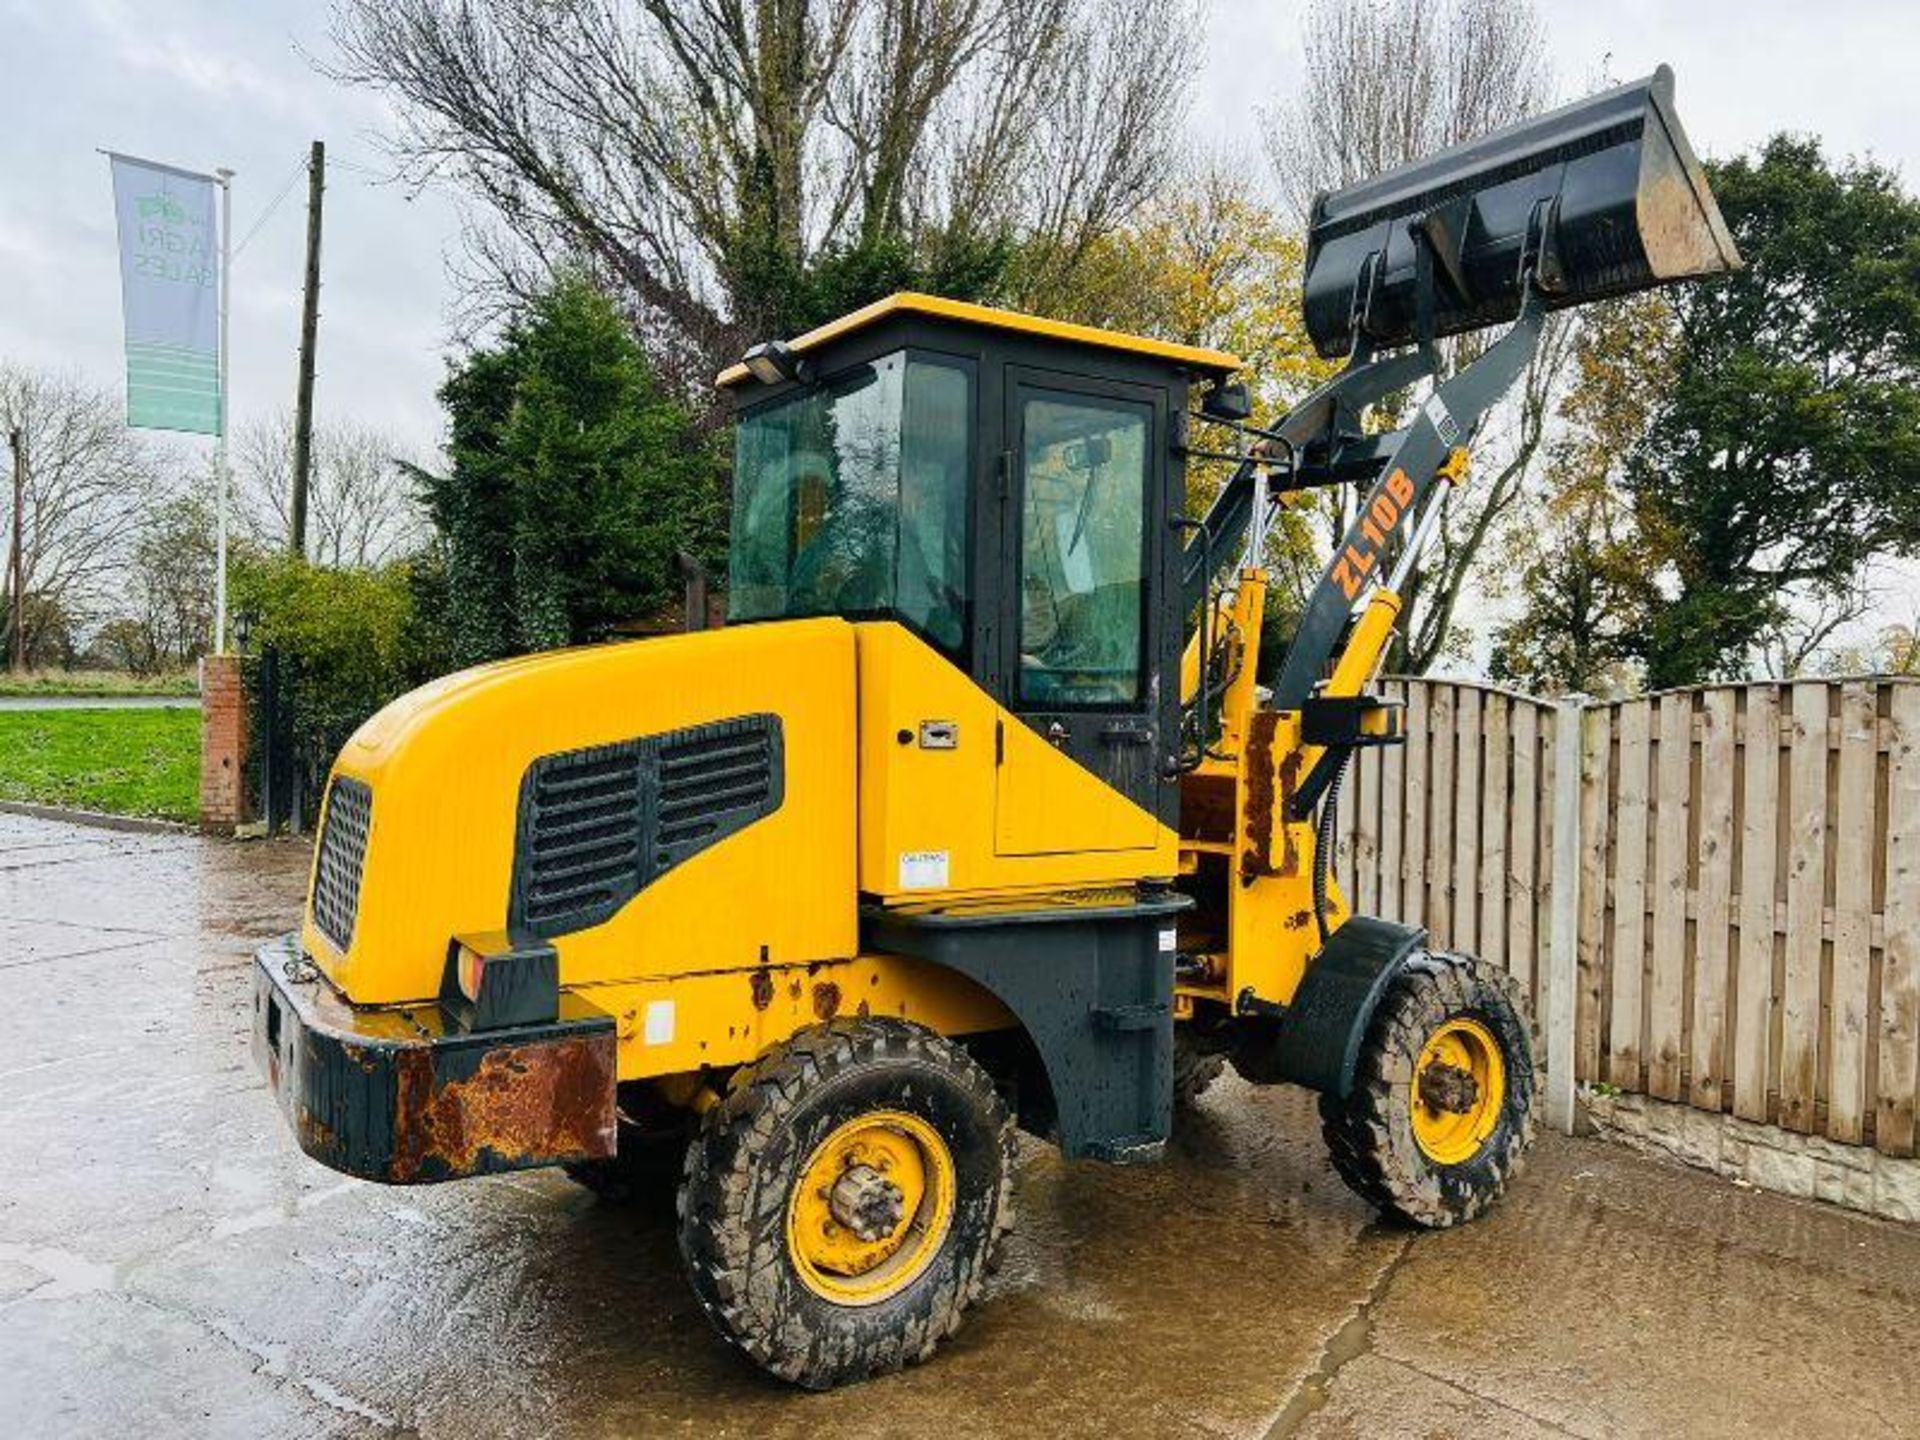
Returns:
point(973, 816)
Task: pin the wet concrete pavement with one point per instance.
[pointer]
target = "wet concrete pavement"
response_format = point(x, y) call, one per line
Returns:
point(170, 1264)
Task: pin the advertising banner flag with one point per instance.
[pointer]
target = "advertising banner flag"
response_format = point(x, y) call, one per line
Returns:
point(170, 294)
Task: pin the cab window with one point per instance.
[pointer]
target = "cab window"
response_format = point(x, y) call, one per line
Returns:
point(851, 499)
point(1082, 550)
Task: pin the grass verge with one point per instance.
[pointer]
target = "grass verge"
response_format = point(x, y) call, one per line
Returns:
point(127, 762)
point(98, 682)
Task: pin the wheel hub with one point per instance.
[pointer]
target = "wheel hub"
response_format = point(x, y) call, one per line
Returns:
point(871, 1207)
point(1459, 1090)
point(1449, 1088)
point(867, 1203)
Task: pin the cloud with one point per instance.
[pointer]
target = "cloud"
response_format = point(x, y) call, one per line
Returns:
point(193, 61)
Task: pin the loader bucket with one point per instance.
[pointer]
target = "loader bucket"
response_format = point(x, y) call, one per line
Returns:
point(1606, 192)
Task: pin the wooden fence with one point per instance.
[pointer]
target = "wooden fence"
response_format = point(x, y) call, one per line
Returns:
point(1743, 930)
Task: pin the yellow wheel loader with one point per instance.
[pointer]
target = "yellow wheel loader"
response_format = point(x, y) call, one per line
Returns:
point(975, 814)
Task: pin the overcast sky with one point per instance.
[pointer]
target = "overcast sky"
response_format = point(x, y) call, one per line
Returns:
point(201, 84)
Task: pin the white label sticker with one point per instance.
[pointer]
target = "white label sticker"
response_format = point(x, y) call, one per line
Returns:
point(659, 1029)
point(1169, 938)
point(1442, 418)
point(923, 869)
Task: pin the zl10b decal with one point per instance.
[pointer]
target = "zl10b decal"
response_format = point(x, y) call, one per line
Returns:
point(1385, 509)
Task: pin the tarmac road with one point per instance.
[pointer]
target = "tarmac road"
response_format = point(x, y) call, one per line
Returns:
point(171, 1265)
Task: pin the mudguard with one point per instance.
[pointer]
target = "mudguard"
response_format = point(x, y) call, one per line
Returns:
point(1316, 1043)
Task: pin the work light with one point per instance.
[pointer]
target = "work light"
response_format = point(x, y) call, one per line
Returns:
point(774, 361)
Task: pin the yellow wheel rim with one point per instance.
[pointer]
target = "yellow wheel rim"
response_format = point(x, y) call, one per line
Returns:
point(873, 1203)
point(1459, 1088)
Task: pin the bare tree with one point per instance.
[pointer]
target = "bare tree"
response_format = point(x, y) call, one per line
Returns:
point(361, 509)
point(1384, 84)
point(1387, 82)
point(89, 482)
point(169, 589)
point(701, 153)
point(1496, 496)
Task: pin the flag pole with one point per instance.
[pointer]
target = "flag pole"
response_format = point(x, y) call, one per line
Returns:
point(225, 178)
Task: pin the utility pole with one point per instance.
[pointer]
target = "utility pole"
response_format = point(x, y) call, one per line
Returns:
point(309, 327)
point(17, 555)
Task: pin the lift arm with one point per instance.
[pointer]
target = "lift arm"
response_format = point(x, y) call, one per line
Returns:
point(1405, 488)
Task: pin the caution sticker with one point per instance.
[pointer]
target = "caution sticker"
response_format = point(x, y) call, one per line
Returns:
point(923, 870)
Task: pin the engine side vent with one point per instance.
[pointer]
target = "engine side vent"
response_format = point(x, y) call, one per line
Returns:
point(342, 856)
point(714, 780)
point(578, 843)
point(597, 826)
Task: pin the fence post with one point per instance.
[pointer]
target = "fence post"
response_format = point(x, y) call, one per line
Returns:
point(1563, 956)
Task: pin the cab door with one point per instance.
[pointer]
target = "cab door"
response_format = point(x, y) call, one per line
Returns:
point(1084, 542)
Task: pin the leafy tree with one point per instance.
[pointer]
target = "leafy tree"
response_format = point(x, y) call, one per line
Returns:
point(52, 642)
point(1898, 652)
point(1211, 263)
point(345, 644)
point(170, 579)
point(1786, 453)
point(574, 480)
point(1584, 592)
point(123, 645)
point(1585, 579)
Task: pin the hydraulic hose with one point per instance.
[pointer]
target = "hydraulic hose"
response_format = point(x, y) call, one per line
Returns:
point(1323, 846)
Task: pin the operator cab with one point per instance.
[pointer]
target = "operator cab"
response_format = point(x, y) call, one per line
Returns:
point(1001, 485)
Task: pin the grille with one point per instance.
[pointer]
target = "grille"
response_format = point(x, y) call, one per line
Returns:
point(579, 838)
point(712, 781)
point(343, 854)
point(597, 826)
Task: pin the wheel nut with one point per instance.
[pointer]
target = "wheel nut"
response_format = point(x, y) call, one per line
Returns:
point(869, 1205)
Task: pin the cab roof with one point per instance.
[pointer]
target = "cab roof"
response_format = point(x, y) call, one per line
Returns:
point(1216, 363)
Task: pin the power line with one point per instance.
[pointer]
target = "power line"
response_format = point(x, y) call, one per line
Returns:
point(272, 205)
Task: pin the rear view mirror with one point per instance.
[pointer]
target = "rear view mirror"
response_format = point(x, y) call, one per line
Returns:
point(1229, 403)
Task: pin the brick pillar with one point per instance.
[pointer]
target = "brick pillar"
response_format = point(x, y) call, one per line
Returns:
point(223, 745)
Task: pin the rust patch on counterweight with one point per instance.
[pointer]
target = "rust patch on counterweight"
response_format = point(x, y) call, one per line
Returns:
point(520, 1105)
point(762, 987)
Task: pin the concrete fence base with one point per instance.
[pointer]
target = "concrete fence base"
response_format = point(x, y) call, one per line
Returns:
point(1763, 1156)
